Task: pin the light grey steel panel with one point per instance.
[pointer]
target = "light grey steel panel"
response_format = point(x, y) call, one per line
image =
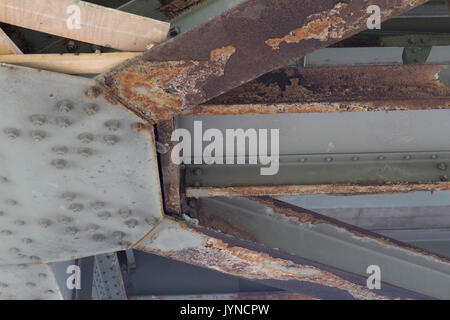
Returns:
point(370, 56)
point(352, 132)
point(78, 177)
point(412, 199)
point(28, 282)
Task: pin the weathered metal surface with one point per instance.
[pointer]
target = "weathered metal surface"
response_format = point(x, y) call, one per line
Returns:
point(78, 176)
point(108, 282)
point(208, 249)
point(233, 48)
point(28, 282)
point(276, 224)
point(170, 171)
point(336, 89)
point(275, 295)
point(173, 8)
point(330, 189)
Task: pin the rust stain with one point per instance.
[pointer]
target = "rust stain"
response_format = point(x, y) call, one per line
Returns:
point(321, 26)
point(329, 189)
point(319, 107)
point(158, 90)
point(304, 216)
point(220, 224)
point(239, 261)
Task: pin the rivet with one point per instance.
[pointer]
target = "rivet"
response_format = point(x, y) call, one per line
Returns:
point(84, 152)
point(328, 159)
point(112, 125)
point(434, 156)
point(355, 158)
point(407, 157)
point(38, 119)
point(5, 232)
point(197, 172)
point(65, 106)
point(71, 230)
point(118, 235)
point(76, 207)
point(64, 220)
point(124, 212)
point(30, 284)
point(60, 150)
point(59, 163)
point(19, 222)
point(35, 258)
point(92, 227)
point(69, 196)
point(443, 178)
point(3, 179)
point(303, 160)
point(98, 237)
point(442, 166)
point(151, 220)
point(42, 275)
point(86, 137)
point(91, 109)
point(97, 205)
point(50, 291)
point(12, 133)
point(38, 135)
point(63, 122)
point(22, 266)
point(132, 223)
point(104, 215)
point(11, 202)
point(44, 223)
point(27, 240)
point(381, 158)
point(111, 139)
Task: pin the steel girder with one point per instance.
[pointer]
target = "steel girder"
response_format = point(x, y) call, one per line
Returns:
point(233, 48)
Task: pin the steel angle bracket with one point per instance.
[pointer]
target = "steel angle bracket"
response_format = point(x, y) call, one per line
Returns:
point(235, 47)
point(300, 232)
point(206, 248)
point(78, 174)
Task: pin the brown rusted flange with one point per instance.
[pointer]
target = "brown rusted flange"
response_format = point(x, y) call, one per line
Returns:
point(233, 48)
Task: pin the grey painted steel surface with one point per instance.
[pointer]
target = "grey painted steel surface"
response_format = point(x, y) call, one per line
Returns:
point(332, 244)
point(77, 178)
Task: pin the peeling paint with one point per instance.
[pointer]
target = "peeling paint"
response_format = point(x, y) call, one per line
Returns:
point(321, 27)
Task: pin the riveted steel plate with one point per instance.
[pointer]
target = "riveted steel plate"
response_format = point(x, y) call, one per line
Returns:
point(28, 282)
point(78, 175)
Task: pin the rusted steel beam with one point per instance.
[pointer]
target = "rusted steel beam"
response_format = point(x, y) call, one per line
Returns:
point(313, 236)
point(208, 249)
point(170, 172)
point(233, 48)
point(274, 295)
point(337, 89)
point(329, 189)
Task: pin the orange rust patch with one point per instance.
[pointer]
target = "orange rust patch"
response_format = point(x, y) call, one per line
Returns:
point(222, 54)
point(319, 28)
